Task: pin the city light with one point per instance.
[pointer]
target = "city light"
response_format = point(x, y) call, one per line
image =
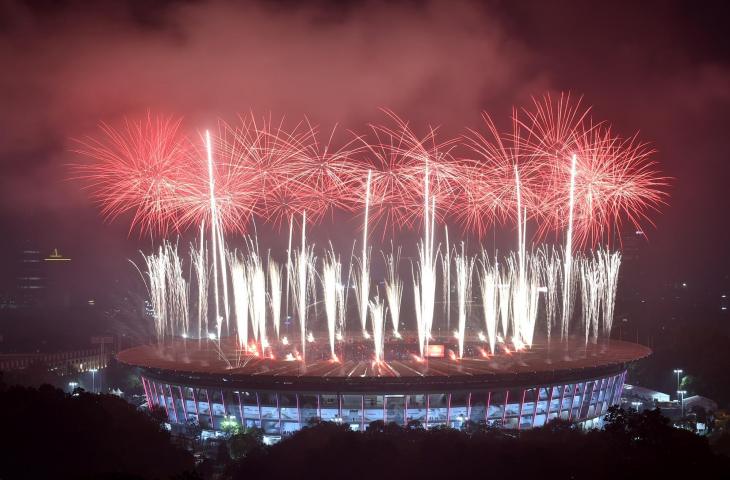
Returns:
point(678, 371)
point(681, 394)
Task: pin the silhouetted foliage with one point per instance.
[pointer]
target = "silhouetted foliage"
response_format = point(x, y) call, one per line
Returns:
point(633, 445)
point(34, 375)
point(124, 377)
point(246, 443)
point(721, 445)
point(47, 433)
point(158, 414)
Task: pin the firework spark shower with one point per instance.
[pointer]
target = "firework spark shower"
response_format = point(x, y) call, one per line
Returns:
point(557, 171)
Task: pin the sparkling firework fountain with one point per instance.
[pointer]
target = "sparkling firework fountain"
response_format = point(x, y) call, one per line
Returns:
point(489, 286)
point(240, 280)
point(424, 278)
point(464, 267)
point(362, 291)
point(568, 264)
point(302, 275)
point(275, 293)
point(394, 290)
point(332, 295)
point(377, 318)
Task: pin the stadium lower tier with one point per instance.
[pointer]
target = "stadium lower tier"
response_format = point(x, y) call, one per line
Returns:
point(280, 413)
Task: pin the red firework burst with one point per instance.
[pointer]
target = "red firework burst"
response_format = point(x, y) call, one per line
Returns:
point(614, 182)
point(255, 163)
point(138, 168)
point(497, 162)
point(320, 176)
point(150, 169)
point(614, 177)
point(400, 161)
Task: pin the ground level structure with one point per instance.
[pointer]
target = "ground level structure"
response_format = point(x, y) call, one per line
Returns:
point(210, 385)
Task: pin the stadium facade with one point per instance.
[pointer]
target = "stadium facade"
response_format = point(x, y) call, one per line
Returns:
point(517, 390)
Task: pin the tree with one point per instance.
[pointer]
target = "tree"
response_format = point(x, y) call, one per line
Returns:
point(557, 450)
point(48, 433)
point(244, 443)
point(414, 425)
point(158, 414)
point(376, 426)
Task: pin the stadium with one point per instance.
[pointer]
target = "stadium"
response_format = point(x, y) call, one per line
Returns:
point(257, 335)
point(571, 380)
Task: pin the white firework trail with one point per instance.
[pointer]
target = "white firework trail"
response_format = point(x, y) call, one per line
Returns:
point(533, 282)
point(510, 295)
point(488, 286)
point(424, 279)
point(568, 289)
point(362, 290)
point(224, 277)
point(275, 293)
point(213, 231)
point(525, 297)
point(446, 284)
point(610, 262)
point(505, 299)
point(464, 267)
point(200, 267)
point(377, 319)
point(591, 295)
point(550, 270)
point(257, 297)
point(302, 272)
point(239, 280)
point(518, 300)
point(157, 289)
point(331, 280)
point(288, 265)
point(168, 291)
point(393, 289)
point(521, 288)
point(177, 290)
point(342, 310)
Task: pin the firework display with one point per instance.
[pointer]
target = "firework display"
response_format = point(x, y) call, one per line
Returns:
point(159, 173)
point(555, 173)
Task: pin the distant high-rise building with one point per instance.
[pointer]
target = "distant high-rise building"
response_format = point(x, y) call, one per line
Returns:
point(31, 281)
point(43, 280)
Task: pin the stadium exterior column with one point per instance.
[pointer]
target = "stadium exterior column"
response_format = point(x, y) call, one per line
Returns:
point(278, 409)
point(261, 418)
point(195, 402)
point(172, 400)
point(183, 402)
point(210, 409)
point(534, 408)
point(489, 402)
point(240, 410)
point(522, 405)
point(506, 402)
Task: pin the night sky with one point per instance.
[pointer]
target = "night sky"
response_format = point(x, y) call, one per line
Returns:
point(661, 68)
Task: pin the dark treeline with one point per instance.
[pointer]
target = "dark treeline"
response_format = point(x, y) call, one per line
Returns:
point(632, 445)
point(47, 433)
